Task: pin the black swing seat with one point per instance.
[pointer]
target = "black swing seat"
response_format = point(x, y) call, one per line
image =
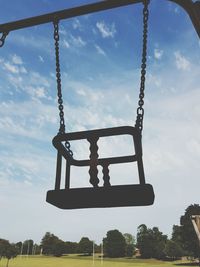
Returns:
point(140, 194)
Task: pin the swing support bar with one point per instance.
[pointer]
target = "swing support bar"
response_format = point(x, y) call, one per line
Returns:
point(192, 9)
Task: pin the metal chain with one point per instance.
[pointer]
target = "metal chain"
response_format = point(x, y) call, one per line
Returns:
point(59, 87)
point(140, 109)
point(3, 38)
point(58, 77)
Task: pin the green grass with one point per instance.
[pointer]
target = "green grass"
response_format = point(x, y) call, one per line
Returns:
point(77, 261)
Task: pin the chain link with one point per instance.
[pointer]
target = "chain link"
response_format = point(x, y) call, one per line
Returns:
point(140, 109)
point(59, 88)
point(3, 38)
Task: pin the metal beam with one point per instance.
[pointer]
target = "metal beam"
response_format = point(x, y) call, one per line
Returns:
point(65, 14)
point(193, 10)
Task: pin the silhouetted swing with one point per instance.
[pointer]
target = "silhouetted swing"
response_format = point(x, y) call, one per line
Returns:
point(106, 195)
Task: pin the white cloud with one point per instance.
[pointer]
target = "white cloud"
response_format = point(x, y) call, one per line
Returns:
point(77, 41)
point(73, 42)
point(41, 59)
point(81, 92)
point(11, 68)
point(41, 43)
point(15, 67)
point(155, 80)
point(17, 60)
point(100, 50)
point(38, 79)
point(40, 92)
point(23, 70)
point(37, 91)
point(33, 84)
point(158, 53)
point(20, 120)
point(15, 80)
point(62, 31)
point(177, 10)
point(181, 62)
point(106, 30)
point(66, 44)
point(76, 24)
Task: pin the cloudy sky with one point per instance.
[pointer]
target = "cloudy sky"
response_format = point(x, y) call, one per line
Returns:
point(100, 61)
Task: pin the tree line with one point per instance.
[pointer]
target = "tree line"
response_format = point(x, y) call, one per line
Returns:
point(115, 244)
point(154, 244)
point(149, 243)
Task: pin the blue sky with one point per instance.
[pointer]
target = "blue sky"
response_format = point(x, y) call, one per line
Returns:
point(100, 61)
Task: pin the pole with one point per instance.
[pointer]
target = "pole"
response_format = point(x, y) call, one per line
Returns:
point(93, 253)
point(28, 249)
point(33, 249)
point(21, 249)
point(196, 224)
point(102, 253)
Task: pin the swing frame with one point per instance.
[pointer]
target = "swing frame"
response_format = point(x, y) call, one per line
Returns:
point(191, 8)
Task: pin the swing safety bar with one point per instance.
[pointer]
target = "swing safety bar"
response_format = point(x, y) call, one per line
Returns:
point(92, 137)
point(192, 9)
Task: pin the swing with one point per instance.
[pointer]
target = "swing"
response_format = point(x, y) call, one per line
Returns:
point(96, 196)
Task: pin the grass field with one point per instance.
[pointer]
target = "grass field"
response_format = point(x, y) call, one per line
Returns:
point(77, 261)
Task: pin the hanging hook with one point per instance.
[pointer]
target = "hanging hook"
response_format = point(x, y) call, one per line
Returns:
point(146, 2)
point(3, 38)
point(56, 20)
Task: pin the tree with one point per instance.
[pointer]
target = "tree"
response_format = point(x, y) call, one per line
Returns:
point(71, 247)
point(58, 248)
point(130, 244)
point(114, 244)
point(85, 246)
point(18, 245)
point(52, 245)
point(173, 250)
point(177, 234)
point(27, 247)
point(3, 247)
point(151, 242)
point(11, 252)
point(189, 238)
point(98, 248)
point(144, 241)
point(36, 249)
point(177, 237)
point(159, 242)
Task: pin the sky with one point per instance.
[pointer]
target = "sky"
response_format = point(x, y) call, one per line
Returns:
point(100, 58)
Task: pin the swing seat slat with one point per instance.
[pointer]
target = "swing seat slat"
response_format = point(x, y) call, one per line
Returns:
point(101, 197)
